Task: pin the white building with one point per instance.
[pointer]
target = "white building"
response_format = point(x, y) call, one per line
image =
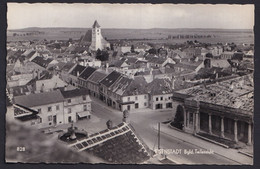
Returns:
point(56, 107)
point(97, 40)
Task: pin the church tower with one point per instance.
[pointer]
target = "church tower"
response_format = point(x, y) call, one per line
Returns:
point(97, 41)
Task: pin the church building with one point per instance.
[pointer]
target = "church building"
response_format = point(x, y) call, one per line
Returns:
point(97, 40)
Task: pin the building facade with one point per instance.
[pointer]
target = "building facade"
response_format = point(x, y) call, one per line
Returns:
point(223, 110)
point(97, 40)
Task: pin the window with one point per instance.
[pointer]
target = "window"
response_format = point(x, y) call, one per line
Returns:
point(40, 120)
point(145, 96)
point(85, 108)
point(136, 105)
point(39, 110)
point(69, 100)
point(128, 99)
point(145, 103)
point(169, 97)
point(49, 118)
point(57, 107)
point(69, 119)
point(84, 98)
point(136, 97)
point(49, 109)
point(161, 98)
point(157, 98)
point(69, 110)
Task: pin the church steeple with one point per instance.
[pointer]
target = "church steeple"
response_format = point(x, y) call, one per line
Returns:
point(96, 25)
point(97, 41)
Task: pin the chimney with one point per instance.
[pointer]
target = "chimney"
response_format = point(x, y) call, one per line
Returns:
point(21, 89)
point(107, 65)
point(42, 87)
point(214, 72)
point(216, 75)
point(85, 62)
point(151, 71)
point(77, 73)
point(109, 124)
point(231, 87)
point(38, 74)
point(173, 82)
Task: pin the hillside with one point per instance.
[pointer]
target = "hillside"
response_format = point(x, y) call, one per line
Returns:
point(218, 35)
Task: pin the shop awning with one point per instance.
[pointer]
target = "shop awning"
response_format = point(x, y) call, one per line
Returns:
point(83, 114)
point(125, 103)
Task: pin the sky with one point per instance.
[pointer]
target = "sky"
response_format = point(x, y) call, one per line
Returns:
point(139, 16)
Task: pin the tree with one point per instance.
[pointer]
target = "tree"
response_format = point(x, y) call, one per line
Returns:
point(209, 55)
point(102, 55)
point(98, 52)
point(152, 51)
point(132, 49)
point(179, 118)
point(112, 46)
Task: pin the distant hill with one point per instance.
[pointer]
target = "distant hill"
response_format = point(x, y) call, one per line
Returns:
point(62, 33)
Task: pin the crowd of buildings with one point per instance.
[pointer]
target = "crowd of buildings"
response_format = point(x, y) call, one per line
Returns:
point(51, 82)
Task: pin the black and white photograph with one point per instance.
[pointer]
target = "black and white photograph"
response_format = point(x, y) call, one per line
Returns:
point(161, 84)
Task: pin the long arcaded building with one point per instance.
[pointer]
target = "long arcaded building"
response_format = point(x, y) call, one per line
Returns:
point(223, 109)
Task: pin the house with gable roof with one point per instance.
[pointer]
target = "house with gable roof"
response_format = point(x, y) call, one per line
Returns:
point(105, 85)
point(57, 107)
point(74, 74)
point(85, 74)
point(93, 82)
point(160, 93)
point(118, 144)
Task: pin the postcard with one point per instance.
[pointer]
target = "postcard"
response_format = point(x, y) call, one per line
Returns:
point(130, 83)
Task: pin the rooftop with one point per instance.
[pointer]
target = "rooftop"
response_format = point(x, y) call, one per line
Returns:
point(235, 93)
point(38, 99)
point(110, 79)
point(74, 93)
point(87, 72)
point(159, 86)
point(97, 76)
point(43, 62)
point(68, 66)
point(96, 25)
point(121, 85)
point(77, 70)
point(137, 86)
point(118, 145)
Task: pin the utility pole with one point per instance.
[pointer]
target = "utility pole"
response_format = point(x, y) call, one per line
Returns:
point(159, 128)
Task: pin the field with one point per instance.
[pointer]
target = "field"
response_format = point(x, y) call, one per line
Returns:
point(154, 35)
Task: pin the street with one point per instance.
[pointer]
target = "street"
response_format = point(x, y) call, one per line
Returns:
point(145, 125)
